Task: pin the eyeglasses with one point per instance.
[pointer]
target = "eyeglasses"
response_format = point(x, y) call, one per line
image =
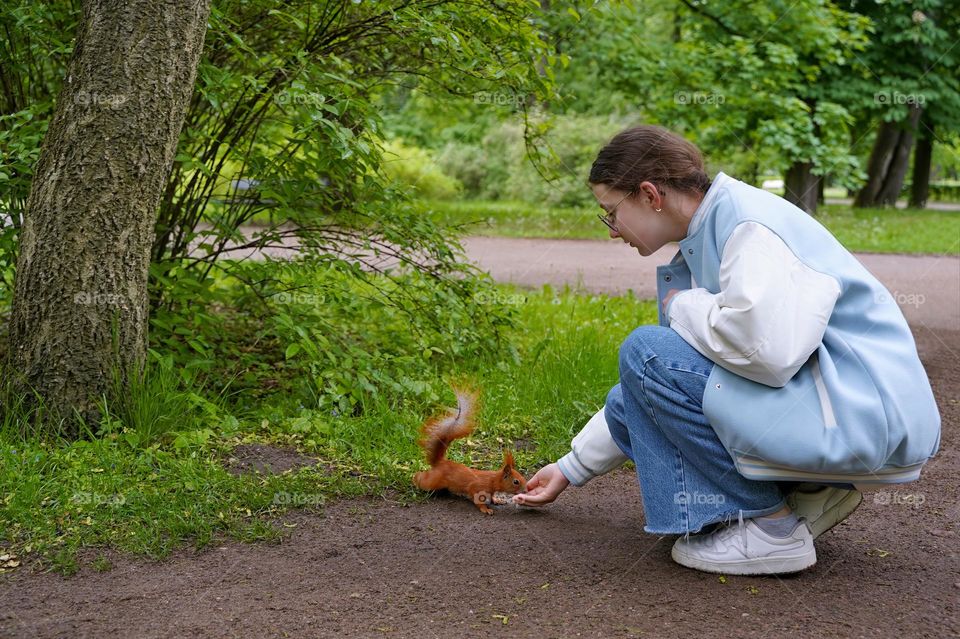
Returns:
point(610, 218)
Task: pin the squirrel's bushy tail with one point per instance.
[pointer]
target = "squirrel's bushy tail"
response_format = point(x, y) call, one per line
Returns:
point(440, 431)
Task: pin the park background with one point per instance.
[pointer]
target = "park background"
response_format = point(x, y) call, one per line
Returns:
point(299, 291)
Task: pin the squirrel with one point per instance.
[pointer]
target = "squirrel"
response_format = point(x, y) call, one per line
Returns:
point(483, 487)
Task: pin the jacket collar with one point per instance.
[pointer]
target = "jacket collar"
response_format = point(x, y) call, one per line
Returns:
point(709, 199)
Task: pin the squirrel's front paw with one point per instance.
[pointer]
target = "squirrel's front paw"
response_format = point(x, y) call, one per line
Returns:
point(500, 498)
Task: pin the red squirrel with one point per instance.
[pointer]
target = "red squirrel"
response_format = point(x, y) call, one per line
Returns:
point(483, 487)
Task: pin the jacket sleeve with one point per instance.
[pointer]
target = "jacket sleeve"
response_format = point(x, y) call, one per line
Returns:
point(770, 314)
point(592, 452)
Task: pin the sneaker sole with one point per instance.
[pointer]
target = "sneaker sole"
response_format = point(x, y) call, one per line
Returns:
point(759, 566)
point(835, 514)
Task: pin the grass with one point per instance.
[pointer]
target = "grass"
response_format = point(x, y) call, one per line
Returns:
point(161, 488)
point(866, 230)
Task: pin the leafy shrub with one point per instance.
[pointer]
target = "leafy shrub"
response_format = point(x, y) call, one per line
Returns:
point(499, 169)
point(347, 336)
point(415, 168)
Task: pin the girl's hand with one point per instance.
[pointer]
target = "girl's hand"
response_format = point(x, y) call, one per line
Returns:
point(543, 487)
point(666, 298)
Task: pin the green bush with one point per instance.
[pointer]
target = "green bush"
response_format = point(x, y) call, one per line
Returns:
point(499, 169)
point(415, 168)
point(325, 333)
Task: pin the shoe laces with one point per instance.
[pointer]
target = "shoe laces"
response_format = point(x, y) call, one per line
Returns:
point(729, 531)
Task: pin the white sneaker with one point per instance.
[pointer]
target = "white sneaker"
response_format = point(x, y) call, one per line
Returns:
point(825, 507)
point(745, 549)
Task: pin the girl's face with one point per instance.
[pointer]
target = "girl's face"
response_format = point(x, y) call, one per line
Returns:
point(635, 219)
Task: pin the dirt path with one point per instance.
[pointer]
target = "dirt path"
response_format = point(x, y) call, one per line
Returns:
point(581, 567)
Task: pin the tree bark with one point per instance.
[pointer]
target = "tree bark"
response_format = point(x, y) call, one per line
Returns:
point(801, 186)
point(880, 155)
point(900, 162)
point(920, 182)
point(80, 300)
point(885, 157)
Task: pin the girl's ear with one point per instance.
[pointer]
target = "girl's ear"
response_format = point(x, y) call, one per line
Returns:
point(652, 192)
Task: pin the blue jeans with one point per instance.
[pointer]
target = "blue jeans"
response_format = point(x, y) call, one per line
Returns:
point(655, 414)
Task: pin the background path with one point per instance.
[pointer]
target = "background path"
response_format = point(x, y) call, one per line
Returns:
point(927, 287)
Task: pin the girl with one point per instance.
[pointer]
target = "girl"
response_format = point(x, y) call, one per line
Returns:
point(781, 378)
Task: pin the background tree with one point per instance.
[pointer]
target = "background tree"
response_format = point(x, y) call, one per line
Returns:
point(739, 79)
point(907, 89)
point(80, 303)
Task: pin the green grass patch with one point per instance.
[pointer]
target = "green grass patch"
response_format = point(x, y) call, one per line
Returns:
point(147, 486)
point(869, 230)
point(894, 230)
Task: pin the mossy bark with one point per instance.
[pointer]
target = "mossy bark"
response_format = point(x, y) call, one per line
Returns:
point(80, 312)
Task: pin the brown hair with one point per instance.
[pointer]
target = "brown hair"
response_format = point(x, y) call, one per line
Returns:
point(650, 153)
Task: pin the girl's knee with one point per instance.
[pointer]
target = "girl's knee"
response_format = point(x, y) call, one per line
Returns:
point(641, 345)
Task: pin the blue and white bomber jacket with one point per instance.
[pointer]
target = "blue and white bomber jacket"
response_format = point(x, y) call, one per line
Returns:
point(817, 376)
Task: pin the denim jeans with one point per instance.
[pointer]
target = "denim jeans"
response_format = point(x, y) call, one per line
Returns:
point(655, 414)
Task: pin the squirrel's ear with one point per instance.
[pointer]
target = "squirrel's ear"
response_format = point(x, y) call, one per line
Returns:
point(508, 458)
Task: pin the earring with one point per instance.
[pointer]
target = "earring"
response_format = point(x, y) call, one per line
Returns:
point(657, 210)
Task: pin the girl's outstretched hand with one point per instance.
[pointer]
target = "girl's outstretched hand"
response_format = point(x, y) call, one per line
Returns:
point(543, 487)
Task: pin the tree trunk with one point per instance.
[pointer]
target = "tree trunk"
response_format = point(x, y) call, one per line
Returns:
point(80, 300)
point(920, 183)
point(883, 148)
point(801, 186)
point(900, 162)
point(888, 162)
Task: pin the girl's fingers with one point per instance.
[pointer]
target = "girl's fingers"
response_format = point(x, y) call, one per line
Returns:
point(532, 500)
